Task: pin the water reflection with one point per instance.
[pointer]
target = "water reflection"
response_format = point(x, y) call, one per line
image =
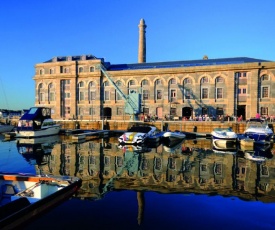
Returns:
point(191, 166)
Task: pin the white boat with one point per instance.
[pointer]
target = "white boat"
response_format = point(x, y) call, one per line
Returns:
point(24, 197)
point(223, 144)
point(258, 130)
point(172, 137)
point(37, 122)
point(224, 134)
point(137, 134)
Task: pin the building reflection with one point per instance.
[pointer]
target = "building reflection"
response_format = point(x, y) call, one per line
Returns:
point(192, 167)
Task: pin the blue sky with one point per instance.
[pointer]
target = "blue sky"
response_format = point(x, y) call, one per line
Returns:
point(35, 31)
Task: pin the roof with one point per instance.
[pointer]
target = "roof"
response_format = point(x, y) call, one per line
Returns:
point(189, 63)
point(152, 65)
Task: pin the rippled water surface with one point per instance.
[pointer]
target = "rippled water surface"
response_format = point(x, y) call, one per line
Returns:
point(186, 186)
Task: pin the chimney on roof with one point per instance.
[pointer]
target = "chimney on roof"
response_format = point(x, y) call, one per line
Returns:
point(142, 42)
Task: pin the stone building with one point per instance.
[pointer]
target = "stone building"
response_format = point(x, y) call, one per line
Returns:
point(76, 86)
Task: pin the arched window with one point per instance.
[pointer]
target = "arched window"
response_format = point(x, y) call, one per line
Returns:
point(144, 82)
point(187, 81)
point(265, 77)
point(41, 71)
point(92, 69)
point(172, 81)
point(204, 80)
point(219, 79)
point(80, 69)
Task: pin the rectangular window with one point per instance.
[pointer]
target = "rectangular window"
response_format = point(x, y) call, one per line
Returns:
point(265, 92)
point(146, 110)
point(219, 93)
point(107, 95)
point(187, 94)
point(204, 93)
point(264, 111)
point(118, 97)
point(81, 96)
point(92, 111)
point(92, 95)
point(173, 95)
point(119, 111)
point(159, 94)
point(51, 97)
point(145, 94)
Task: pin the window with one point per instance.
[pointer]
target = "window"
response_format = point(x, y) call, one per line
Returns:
point(92, 95)
point(265, 78)
point(106, 95)
point(144, 82)
point(204, 93)
point(91, 111)
point(132, 82)
point(173, 95)
point(173, 81)
point(240, 74)
point(265, 92)
point(159, 94)
point(187, 81)
point(204, 80)
point(51, 71)
point(92, 69)
point(40, 92)
point(41, 71)
point(92, 84)
point(264, 111)
point(106, 83)
point(81, 96)
point(80, 69)
point(187, 93)
point(81, 84)
point(158, 82)
point(119, 111)
point(119, 83)
point(118, 96)
point(219, 80)
point(145, 94)
point(51, 92)
point(219, 93)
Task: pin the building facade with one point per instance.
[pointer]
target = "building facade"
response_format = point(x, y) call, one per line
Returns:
point(76, 87)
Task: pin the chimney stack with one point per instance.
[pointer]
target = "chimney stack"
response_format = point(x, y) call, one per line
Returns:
point(142, 42)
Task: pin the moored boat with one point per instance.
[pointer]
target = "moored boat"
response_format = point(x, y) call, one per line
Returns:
point(24, 197)
point(5, 128)
point(221, 144)
point(138, 134)
point(258, 130)
point(173, 137)
point(37, 122)
point(224, 134)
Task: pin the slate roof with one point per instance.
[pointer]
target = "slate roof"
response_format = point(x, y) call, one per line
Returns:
point(190, 63)
point(152, 65)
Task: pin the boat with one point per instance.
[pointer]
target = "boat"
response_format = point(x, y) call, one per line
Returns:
point(222, 144)
point(170, 138)
point(37, 122)
point(224, 134)
point(24, 197)
point(137, 134)
point(258, 130)
point(155, 138)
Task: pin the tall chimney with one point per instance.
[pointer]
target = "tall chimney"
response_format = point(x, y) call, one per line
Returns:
point(142, 42)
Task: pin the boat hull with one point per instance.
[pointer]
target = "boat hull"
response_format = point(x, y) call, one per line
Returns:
point(54, 130)
point(32, 209)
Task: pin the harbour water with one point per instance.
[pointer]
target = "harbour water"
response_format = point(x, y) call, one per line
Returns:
point(186, 186)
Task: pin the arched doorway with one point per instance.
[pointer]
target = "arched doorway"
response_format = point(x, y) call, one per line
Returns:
point(187, 112)
point(107, 113)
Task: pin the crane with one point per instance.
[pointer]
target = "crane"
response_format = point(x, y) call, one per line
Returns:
point(132, 101)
